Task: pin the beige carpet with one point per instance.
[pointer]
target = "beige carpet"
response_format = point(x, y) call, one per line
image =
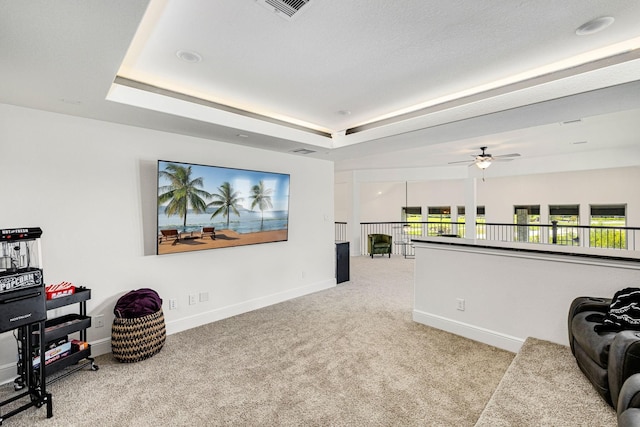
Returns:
point(348, 356)
point(544, 387)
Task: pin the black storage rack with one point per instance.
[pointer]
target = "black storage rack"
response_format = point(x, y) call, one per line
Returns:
point(59, 327)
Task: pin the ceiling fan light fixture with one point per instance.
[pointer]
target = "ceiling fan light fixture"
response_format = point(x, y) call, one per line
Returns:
point(483, 164)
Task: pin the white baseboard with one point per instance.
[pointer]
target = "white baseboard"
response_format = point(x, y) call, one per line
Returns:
point(476, 333)
point(203, 318)
point(8, 373)
point(101, 346)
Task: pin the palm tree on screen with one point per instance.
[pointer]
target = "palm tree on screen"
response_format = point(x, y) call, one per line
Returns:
point(182, 192)
point(226, 201)
point(261, 198)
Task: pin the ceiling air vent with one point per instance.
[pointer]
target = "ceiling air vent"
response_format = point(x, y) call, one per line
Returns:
point(284, 8)
point(302, 151)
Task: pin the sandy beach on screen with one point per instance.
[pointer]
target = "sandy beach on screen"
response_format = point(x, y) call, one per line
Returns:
point(224, 238)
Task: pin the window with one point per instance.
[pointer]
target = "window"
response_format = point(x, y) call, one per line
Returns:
point(480, 221)
point(607, 222)
point(412, 214)
point(439, 220)
point(567, 218)
point(480, 217)
point(524, 216)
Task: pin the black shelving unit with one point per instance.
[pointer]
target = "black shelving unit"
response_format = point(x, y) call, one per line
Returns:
point(342, 262)
point(59, 327)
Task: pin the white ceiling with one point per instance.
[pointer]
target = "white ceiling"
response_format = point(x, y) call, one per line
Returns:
point(504, 74)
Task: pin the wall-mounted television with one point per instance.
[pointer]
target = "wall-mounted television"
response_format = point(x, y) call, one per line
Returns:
point(210, 207)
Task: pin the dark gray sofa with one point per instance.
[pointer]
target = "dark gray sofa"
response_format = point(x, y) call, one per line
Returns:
point(606, 358)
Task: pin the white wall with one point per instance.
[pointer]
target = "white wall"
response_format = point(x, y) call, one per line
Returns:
point(91, 187)
point(599, 186)
point(509, 296)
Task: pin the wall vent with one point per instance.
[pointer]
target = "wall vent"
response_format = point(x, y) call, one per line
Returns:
point(302, 151)
point(287, 9)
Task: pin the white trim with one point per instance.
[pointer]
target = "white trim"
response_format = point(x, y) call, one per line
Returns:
point(199, 319)
point(476, 333)
point(8, 373)
point(101, 346)
point(544, 252)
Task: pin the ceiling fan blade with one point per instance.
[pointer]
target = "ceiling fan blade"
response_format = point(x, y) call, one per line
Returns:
point(507, 155)
point(486, 158)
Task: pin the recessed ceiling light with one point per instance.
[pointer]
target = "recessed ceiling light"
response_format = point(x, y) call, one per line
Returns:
point(594, 26)
point(242, 135)
point(189, 56)
point(579, 142)
point(344, 112)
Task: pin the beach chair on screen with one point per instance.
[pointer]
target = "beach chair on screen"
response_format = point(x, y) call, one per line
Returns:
point(170, 234)
point(208, 231)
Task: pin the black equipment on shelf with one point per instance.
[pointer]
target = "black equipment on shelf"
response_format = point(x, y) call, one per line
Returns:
point(22, 307)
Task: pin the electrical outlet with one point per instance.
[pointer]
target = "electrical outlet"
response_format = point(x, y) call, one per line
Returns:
point(204, 296)
point(173, 304)
point(99, 321)
point(192, 299)
point(460, 302)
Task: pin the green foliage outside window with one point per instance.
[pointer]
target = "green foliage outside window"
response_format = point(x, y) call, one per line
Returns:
point(607, 238)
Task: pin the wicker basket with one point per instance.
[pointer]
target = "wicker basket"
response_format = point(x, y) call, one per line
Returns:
point(136, 339)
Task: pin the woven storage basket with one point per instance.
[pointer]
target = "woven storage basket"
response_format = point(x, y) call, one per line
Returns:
point(136, 339)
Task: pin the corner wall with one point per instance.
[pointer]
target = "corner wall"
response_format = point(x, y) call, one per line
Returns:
point(91, 187)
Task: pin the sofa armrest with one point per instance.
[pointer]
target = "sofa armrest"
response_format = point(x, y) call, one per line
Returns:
point(581, 304)
point(624, 361)
point(629, 402)
point(629, 394)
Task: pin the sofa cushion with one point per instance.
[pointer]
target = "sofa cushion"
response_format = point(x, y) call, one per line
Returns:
point(595, 344)
point(597, 375)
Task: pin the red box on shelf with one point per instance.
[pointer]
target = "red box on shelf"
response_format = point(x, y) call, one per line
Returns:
point(60, 290)
point(77, 345)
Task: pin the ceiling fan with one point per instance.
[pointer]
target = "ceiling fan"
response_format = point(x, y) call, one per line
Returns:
point(484, 160)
